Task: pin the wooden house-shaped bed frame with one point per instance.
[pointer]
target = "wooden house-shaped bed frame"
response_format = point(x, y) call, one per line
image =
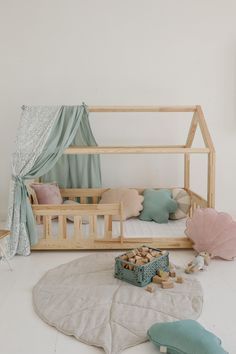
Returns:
point(95, 210)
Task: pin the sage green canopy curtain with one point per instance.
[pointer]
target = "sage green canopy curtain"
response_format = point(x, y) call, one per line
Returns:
point(44, 134)
point(77, 171)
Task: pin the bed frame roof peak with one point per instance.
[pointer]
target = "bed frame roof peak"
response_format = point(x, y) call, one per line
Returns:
point(198, 119)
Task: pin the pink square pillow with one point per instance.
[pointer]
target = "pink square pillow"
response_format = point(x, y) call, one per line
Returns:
point(47, 193)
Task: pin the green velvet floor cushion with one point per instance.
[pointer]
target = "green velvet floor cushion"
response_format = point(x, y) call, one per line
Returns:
point(157, 205)
point(184, 337)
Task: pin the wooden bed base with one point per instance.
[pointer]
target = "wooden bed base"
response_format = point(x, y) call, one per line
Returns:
point(95, 210)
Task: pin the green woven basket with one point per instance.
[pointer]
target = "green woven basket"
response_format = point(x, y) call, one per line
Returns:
point(141, 275)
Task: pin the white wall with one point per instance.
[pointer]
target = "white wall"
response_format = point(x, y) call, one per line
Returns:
point(123, 52)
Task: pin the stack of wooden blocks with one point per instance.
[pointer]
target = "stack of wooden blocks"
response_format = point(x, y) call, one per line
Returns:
point(165, 279)
point(140, 256)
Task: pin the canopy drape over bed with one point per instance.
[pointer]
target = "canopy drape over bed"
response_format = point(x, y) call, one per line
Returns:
point(77, 171)
point(43, 135)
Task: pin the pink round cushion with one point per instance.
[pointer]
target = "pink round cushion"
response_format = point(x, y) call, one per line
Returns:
point(47, 193)
point(132, 201)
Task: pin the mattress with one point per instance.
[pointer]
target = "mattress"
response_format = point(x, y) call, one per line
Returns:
point(132, 228)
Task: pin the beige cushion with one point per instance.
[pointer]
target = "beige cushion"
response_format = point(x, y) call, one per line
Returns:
point(183, 200)
point(85, 219)
point(132, 201)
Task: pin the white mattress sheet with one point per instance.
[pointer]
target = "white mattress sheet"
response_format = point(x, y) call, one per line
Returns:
point(132, 228)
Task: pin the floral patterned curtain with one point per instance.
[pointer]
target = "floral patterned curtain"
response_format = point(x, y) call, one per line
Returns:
point(43, 135)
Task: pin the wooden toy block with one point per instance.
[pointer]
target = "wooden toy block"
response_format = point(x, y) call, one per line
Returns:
point(140, 262)
point(172, 274)
point(131, 254)
point(144, 249)
point(162, 274)
point(179, 280)
point(137, 257)
point(154, 253)
point(168, 284)
point(132, 260)
point(163, 252)
point(149, 257)
point(131, 267)
point(157, 280)
point(143, 254)
point(150, 289)
point(171, 266)
point(124, 257)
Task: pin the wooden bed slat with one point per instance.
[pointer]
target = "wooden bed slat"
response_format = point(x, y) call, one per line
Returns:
point(74, 150)
point(82, 192)
point(79, 209)
point(78, 228)
point(107, 227)
point(91, 228)
point(95, 225)
point(95, 200)
point(204, 129)
point(192, 130)
point(62, 229)
point(48, 226)
point(98, 109)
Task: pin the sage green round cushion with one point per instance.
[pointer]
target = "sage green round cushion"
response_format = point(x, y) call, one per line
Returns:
point(157, 205)
point(185, 337)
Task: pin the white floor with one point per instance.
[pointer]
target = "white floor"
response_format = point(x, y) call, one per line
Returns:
point(22, 332)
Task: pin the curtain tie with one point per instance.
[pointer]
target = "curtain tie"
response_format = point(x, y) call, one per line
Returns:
point(21, 194)
point(17, 179)
point(85, 107)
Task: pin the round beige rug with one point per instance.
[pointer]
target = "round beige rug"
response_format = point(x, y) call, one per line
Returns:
point(82, 298)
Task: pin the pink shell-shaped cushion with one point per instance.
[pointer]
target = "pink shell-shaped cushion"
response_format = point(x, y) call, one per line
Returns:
point(213, 232)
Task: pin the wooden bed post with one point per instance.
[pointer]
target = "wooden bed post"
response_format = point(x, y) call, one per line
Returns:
point(186, 171)
point(211, 158)
point(211, 180)
point(198, 118)
point(121, 223)
point(189, 142)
